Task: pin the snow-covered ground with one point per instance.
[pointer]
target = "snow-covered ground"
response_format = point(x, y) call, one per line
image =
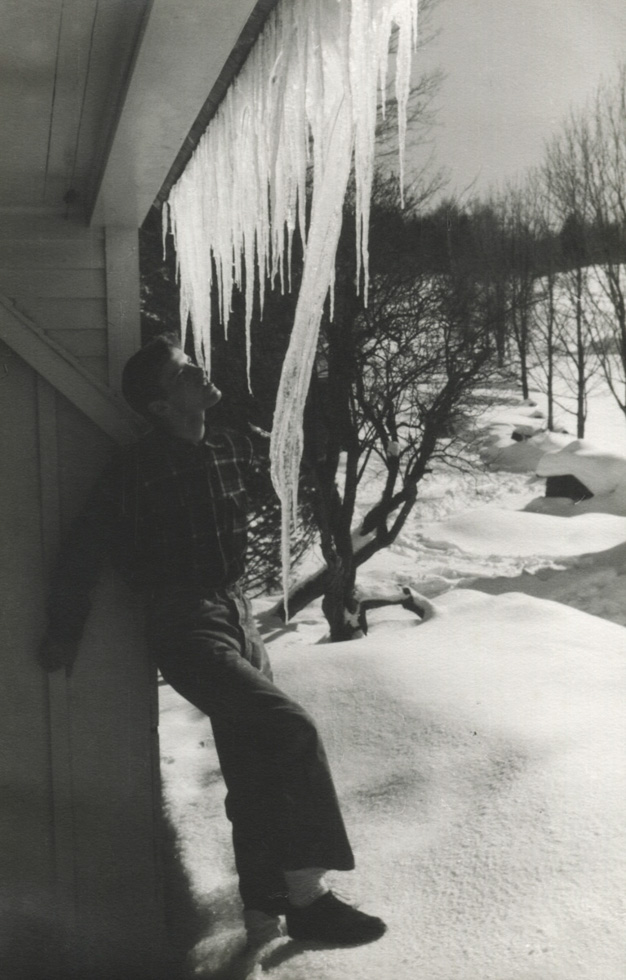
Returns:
point(479, 755)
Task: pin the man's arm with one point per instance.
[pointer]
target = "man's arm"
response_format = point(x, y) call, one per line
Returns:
point(77, 571)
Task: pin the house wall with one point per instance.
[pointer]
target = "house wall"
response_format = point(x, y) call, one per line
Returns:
point(26, 856)
point(59, 280)
point(80, 884)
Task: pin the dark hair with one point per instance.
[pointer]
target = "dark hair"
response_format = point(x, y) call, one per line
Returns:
point(140, 377)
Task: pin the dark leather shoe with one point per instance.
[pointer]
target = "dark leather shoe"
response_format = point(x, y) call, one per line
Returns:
point(329, 920)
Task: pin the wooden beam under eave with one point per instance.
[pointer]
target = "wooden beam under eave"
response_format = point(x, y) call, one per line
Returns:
point(123, 303)
point(181, 55)
point(66, 374)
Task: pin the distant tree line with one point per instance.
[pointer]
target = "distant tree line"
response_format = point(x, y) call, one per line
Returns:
point(550, 252)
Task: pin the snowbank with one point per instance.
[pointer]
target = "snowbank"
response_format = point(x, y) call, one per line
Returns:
point(514, 438)
point(501, 452)
point(480, 761)
point(592, 583)
point(493, 531)
point(602, 472)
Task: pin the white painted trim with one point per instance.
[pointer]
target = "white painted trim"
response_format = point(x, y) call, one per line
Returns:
point(66, 374)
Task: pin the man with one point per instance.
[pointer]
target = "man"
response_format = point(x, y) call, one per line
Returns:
point(170, 512)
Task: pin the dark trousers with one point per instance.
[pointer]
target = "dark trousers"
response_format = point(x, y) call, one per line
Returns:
point(281, 800)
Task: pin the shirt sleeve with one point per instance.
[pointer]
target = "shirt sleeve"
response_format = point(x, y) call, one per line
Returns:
point(82, 555)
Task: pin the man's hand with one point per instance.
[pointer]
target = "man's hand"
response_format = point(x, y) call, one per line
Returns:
point(54, 654)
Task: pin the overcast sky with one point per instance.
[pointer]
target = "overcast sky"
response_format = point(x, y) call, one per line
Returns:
point(514, 67)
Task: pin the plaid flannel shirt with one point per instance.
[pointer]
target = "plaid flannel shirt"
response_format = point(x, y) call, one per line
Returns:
point(168, 513)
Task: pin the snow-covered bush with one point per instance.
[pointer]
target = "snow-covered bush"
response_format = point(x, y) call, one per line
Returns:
point(604, 473)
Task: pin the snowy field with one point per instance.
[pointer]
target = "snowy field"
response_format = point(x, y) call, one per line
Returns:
point(479, 755)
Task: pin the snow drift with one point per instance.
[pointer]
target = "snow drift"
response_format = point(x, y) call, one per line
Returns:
point(479, 758)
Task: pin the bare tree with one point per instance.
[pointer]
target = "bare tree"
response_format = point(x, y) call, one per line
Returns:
point(544, 338)
point(485, 255)
point(391, 382)
point(607, 205)
point(521, 256)
point(544, 289)
point(585, 175)
point(567, 178)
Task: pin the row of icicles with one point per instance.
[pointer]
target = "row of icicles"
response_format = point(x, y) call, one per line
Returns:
point(306, 98)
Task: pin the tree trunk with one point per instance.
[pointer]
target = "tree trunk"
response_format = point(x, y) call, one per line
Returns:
point(580, 359)
point(341, 606)
point(524, 373)
point(550, 353)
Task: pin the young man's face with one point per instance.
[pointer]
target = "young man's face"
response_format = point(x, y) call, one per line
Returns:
point(186, 388)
